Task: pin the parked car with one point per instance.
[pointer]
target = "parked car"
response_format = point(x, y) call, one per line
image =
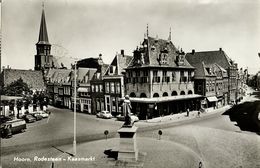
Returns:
point(37, 116)
point(11, 127)
point(29, 118)
point(4, 119)
point(43, 114)
point(104, 114)
point(122, 118)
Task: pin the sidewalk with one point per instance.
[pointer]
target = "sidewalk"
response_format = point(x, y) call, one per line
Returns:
point(183, 116)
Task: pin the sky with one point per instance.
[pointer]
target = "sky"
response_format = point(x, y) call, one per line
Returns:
point(85, 28)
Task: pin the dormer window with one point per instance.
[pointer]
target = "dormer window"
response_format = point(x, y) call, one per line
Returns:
point(163, 58)
point(153, 48)
point(111, 69)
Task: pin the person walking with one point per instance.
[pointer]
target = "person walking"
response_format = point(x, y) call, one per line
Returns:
point(188, 112)
point(199, 113)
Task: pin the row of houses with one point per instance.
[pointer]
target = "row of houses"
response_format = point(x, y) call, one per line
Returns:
point(159, 78)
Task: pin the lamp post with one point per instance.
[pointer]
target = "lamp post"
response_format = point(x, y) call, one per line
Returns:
point(75, 101)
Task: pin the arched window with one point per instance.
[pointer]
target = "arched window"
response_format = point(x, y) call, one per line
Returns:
point(174, 93)
point(143, 95)
point(189, 92)
point(132, 94)
point(155, 95)
point(165, 94)
point(182, 93)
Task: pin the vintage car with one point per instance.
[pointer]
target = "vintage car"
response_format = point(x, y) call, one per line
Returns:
point(43, 114)
point(12, 127)
point(122, 118)
point(4, 119)
point(29, 118)
point(104, 114)
point(37, 116)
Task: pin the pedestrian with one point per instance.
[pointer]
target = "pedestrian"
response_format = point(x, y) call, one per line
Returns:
point(198, 113)
point(188, 112)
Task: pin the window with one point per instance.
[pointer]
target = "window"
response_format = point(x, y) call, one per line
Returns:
point(143, 95)
point(93, 88)
point(107, 87)
point(173, 76)
point(145, 73)
point(132, 94)
point(182, 77)
point(165, 94)
point(112, 87)
point(155, 73)
point(130, 74)
point(213, 87)
point(174, 93)
point(111, 69)
point(97, 89)
point(156, 78)
point(155, 95)
point(137, 73)
point(199, 88)
point(117, 87)
point(101, 88)
point(164, 73)
point(189, 76)
point(165, 77)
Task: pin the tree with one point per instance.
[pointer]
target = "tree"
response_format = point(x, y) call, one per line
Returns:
point(16, 88)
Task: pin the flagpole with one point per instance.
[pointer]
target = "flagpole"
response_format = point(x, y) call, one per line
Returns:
point(75, 101)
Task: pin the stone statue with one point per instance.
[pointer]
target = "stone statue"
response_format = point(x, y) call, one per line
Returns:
point(127, 111)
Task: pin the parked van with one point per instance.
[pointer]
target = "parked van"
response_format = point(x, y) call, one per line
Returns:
point(12, 127)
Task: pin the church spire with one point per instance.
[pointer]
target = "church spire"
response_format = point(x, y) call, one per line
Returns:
point(43, 35)
point(43, 57)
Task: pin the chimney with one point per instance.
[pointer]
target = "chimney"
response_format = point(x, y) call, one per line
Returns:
point(100, 56)
point(100, 61)
point(122, 52)
point(220, 49)
point(192, 51)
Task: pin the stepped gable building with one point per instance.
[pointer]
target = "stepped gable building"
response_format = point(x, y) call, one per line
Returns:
point(34, 79)
point(43, 58)
point(159, 80)
point(221, 58)
point(114, 83)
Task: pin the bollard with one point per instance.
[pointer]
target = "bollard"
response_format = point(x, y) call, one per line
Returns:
point(106, 133)
point(200, 165)
point(52, 164)
point(160, 133)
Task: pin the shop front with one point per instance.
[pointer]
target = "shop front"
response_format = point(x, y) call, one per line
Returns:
point(147, 108)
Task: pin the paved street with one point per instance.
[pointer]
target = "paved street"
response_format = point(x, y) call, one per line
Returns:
point(214, 138)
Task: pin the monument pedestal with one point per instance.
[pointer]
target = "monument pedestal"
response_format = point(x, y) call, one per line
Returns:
point(127, 148)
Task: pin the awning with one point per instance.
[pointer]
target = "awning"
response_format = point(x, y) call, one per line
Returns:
point(82, 89)
point(163, 99)
point(212, 99)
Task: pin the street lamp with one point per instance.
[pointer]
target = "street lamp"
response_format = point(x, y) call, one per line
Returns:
point(75, 101)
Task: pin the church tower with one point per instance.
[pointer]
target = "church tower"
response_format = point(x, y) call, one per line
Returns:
point(43, 59)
